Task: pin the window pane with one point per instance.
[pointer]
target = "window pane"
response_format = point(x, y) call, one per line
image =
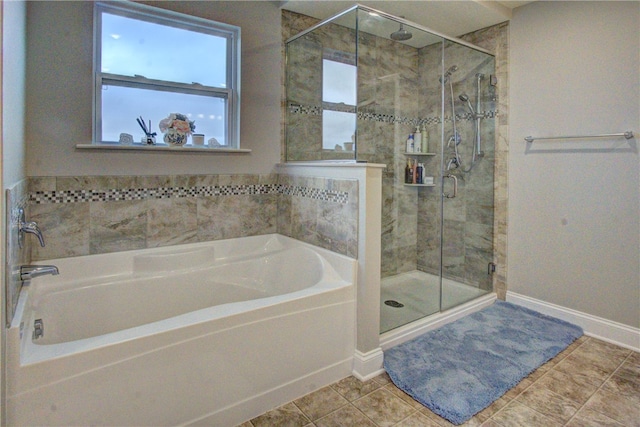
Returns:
point(121, 106)
point(155, 51)
point(338, 82)
point(337, 128)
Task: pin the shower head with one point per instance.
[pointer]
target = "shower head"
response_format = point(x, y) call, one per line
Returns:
point(451, 70)
point(447, 74)
point(401, 34)
point(465, 98)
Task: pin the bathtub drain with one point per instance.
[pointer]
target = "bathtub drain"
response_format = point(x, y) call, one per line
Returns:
point(394, 303)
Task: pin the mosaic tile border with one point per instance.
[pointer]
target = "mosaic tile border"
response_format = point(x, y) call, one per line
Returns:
point(313, 110)
point(79, 196)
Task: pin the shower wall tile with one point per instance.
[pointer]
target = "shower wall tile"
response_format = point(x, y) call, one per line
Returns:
point(496, 40)
point(90, 215)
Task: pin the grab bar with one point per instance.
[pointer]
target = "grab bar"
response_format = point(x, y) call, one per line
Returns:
point(628, 135)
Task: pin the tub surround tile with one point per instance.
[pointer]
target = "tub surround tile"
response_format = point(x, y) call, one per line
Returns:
point(218, 217)
point(86, 215)
point(117, 226)
point(66, 230)
point(171, 222)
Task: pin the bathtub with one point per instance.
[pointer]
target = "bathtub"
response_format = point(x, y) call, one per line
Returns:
point(203, 334)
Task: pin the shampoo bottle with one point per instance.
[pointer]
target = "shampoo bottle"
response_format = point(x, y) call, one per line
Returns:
point(408, 173)
point(420, 173)
point(410, 144)
point(417, 137)
point(424, 141)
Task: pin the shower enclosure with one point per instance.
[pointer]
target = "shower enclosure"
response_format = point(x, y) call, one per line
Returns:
point(357, 85)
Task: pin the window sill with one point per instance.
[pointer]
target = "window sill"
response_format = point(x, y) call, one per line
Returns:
point(162, 148)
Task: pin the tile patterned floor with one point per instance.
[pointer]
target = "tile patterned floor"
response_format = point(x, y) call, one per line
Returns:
point(591, 383)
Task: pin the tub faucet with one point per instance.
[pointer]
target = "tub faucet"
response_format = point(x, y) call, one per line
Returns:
point(28, 272)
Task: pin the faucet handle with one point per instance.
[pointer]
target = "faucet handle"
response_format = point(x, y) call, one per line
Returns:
point(32, 227)
point(28, 227)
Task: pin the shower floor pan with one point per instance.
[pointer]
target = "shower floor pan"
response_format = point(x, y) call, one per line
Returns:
point(407, 297)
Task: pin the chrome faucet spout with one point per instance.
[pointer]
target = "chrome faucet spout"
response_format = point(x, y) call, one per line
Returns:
point(28, 272)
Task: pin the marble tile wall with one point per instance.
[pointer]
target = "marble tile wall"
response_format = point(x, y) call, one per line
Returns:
point(16, 254)
point(100, 214)
point(318, 221)
point(304, 99)
point(398, 87)
point(468, 219)
point(389, 88)
point(496, 40)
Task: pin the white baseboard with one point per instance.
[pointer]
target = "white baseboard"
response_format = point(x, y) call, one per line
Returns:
point(368, 365)
point(597, 327)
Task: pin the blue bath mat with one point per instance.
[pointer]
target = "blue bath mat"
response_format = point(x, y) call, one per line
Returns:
point(462, 367)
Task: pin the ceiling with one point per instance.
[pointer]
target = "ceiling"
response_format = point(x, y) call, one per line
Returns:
point(450, 18)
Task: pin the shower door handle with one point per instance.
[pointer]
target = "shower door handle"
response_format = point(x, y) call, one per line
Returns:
point(455, 187)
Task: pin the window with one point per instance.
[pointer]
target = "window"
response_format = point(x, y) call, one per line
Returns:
point(338, 101)
point(151, 62)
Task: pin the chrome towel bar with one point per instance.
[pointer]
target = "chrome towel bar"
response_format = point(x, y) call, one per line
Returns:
point(628, 135)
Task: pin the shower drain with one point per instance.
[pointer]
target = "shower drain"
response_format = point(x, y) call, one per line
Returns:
point(394, 303)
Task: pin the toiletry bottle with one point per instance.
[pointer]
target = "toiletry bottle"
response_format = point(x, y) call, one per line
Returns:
point(408, 175)
point(410, 143)
point(417, 138)
point(420, 174)
point(414, 169)
point(424, 141)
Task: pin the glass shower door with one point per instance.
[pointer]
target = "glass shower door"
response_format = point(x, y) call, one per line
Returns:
point(468, 155)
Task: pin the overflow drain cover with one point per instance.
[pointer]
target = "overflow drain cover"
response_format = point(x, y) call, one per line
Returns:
point(393, 303)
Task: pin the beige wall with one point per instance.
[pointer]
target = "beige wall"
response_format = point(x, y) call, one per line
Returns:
point(13, 92)
point(574, 224)
point(59, 93)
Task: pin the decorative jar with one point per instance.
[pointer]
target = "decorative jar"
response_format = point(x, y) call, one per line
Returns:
point(175, 138)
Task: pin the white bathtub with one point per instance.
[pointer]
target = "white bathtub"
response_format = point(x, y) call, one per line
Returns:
point(210, 333)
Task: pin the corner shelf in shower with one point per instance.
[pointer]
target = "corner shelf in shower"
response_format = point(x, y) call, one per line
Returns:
point(419, 185)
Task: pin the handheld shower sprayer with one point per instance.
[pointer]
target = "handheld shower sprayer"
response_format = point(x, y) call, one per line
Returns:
point(465, 98)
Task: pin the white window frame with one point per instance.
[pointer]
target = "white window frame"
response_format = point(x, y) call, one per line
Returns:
point(174, 19)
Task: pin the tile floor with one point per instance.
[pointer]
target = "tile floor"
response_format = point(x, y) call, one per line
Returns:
point(591, 383)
